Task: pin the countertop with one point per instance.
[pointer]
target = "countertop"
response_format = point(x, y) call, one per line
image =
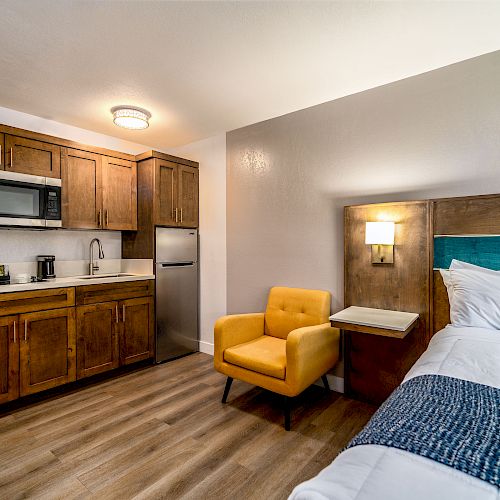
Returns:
point(74, 281)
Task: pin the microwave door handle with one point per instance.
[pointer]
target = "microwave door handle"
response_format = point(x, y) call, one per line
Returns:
point(44, 200)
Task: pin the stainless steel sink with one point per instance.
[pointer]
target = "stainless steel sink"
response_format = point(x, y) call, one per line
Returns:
point(99, 276)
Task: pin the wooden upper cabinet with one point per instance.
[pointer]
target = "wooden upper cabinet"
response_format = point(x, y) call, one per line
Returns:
point(119, 194)
point(175, 194)
point(188, 196)
point(99, 192)
point(81, 194)
point(97, 343)
point(29, 156)
point(47, 349)
point(165, 193)
point(137, 332)
point(9, 358)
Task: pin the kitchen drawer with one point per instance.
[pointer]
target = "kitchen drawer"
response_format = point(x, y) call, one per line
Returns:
point(93, 294)
point(38, 300)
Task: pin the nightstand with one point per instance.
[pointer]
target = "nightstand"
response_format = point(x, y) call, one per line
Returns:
point(376, 350)
point(375, 321)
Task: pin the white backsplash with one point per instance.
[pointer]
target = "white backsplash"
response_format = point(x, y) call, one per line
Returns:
point(23, 245)
point(20, 247)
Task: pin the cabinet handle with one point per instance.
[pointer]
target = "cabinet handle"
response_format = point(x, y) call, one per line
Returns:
point(123, 312)
point(181, 215)
point(106, 216)
point(15, 328)
point(25, 331)
point(11, 157)
point(173, 198)
point(116, 311)
point(1, 159)
point(176, 213)
point(99, 218)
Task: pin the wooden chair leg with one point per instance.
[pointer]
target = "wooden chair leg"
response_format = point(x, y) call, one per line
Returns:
point(325, 382)
point(286, 410)
point(229, 381)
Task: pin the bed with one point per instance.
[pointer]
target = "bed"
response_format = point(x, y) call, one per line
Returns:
point(389, 459)
point(380, 472)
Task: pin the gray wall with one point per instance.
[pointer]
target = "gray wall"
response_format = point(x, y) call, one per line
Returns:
point(433, 135)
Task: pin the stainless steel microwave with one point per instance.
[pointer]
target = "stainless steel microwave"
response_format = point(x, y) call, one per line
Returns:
point(29, 200)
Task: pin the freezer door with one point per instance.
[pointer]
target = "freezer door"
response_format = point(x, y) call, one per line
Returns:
point(176, 310)
point(176, 245)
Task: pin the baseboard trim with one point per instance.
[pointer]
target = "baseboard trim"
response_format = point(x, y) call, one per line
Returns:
point(206, 347)
point(336, 383)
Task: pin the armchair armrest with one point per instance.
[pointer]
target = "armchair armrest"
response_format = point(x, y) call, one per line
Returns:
point(236, 329)
point(310, 352)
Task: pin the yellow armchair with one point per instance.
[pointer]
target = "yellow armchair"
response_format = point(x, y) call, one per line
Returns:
point(285, 349)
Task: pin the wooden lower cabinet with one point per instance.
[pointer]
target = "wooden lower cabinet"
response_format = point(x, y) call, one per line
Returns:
point(137, 332)
point(9, 358)
point(107, 326)
point(97, 344)
point(112, 334)
point(47, 349)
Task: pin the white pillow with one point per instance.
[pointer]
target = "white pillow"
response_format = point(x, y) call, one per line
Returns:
point(458, 264)
point(474, 298)
point(446, 274)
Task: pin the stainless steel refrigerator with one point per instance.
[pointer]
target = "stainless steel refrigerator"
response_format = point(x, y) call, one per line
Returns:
point(176, 292)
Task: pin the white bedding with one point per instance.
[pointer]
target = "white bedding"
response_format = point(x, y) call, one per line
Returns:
point(382, 473)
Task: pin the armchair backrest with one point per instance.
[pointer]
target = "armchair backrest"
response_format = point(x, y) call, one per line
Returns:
point(291, 308)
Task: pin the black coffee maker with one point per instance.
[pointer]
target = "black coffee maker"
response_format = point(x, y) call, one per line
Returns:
point(45, 267)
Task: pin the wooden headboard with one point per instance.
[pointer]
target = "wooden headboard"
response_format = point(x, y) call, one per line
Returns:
point(440, 304)
point(469, 215)
point(376, 365)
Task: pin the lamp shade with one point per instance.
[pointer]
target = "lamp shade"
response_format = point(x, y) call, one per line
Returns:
point(379, 233)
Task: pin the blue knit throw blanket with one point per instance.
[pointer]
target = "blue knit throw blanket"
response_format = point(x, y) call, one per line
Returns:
point(451, 421)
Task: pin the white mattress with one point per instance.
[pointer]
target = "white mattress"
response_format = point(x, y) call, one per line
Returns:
point(382, 473)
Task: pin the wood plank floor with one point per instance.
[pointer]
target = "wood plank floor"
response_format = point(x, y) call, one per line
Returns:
point(162, 432)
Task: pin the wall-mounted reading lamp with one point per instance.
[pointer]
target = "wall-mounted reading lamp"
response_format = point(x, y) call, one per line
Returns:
point(380, 235)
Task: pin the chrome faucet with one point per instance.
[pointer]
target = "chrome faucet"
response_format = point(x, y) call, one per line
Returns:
point(95, 267)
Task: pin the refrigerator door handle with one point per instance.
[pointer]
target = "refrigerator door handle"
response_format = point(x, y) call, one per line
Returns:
point(178, 264)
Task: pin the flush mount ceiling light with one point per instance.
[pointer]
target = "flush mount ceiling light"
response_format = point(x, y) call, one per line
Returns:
point(131, 117)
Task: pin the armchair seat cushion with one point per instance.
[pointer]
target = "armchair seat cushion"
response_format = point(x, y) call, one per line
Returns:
point(266, 355)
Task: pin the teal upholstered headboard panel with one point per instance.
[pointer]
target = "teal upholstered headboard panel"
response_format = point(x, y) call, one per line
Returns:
point(480, 250)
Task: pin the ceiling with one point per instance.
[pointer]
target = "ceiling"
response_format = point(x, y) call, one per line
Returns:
point(203, 68)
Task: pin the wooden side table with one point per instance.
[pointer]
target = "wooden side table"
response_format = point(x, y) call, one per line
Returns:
point(375, 350)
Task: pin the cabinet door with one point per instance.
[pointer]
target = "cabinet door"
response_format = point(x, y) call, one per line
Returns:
point(188, 196)
point(119, 194)
point(2, 149)
point(9, 358)
point(166, 209)
point(81, 200)
point(137, 335)
point(32, 157)
point(97, 344)
point(47, 349)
